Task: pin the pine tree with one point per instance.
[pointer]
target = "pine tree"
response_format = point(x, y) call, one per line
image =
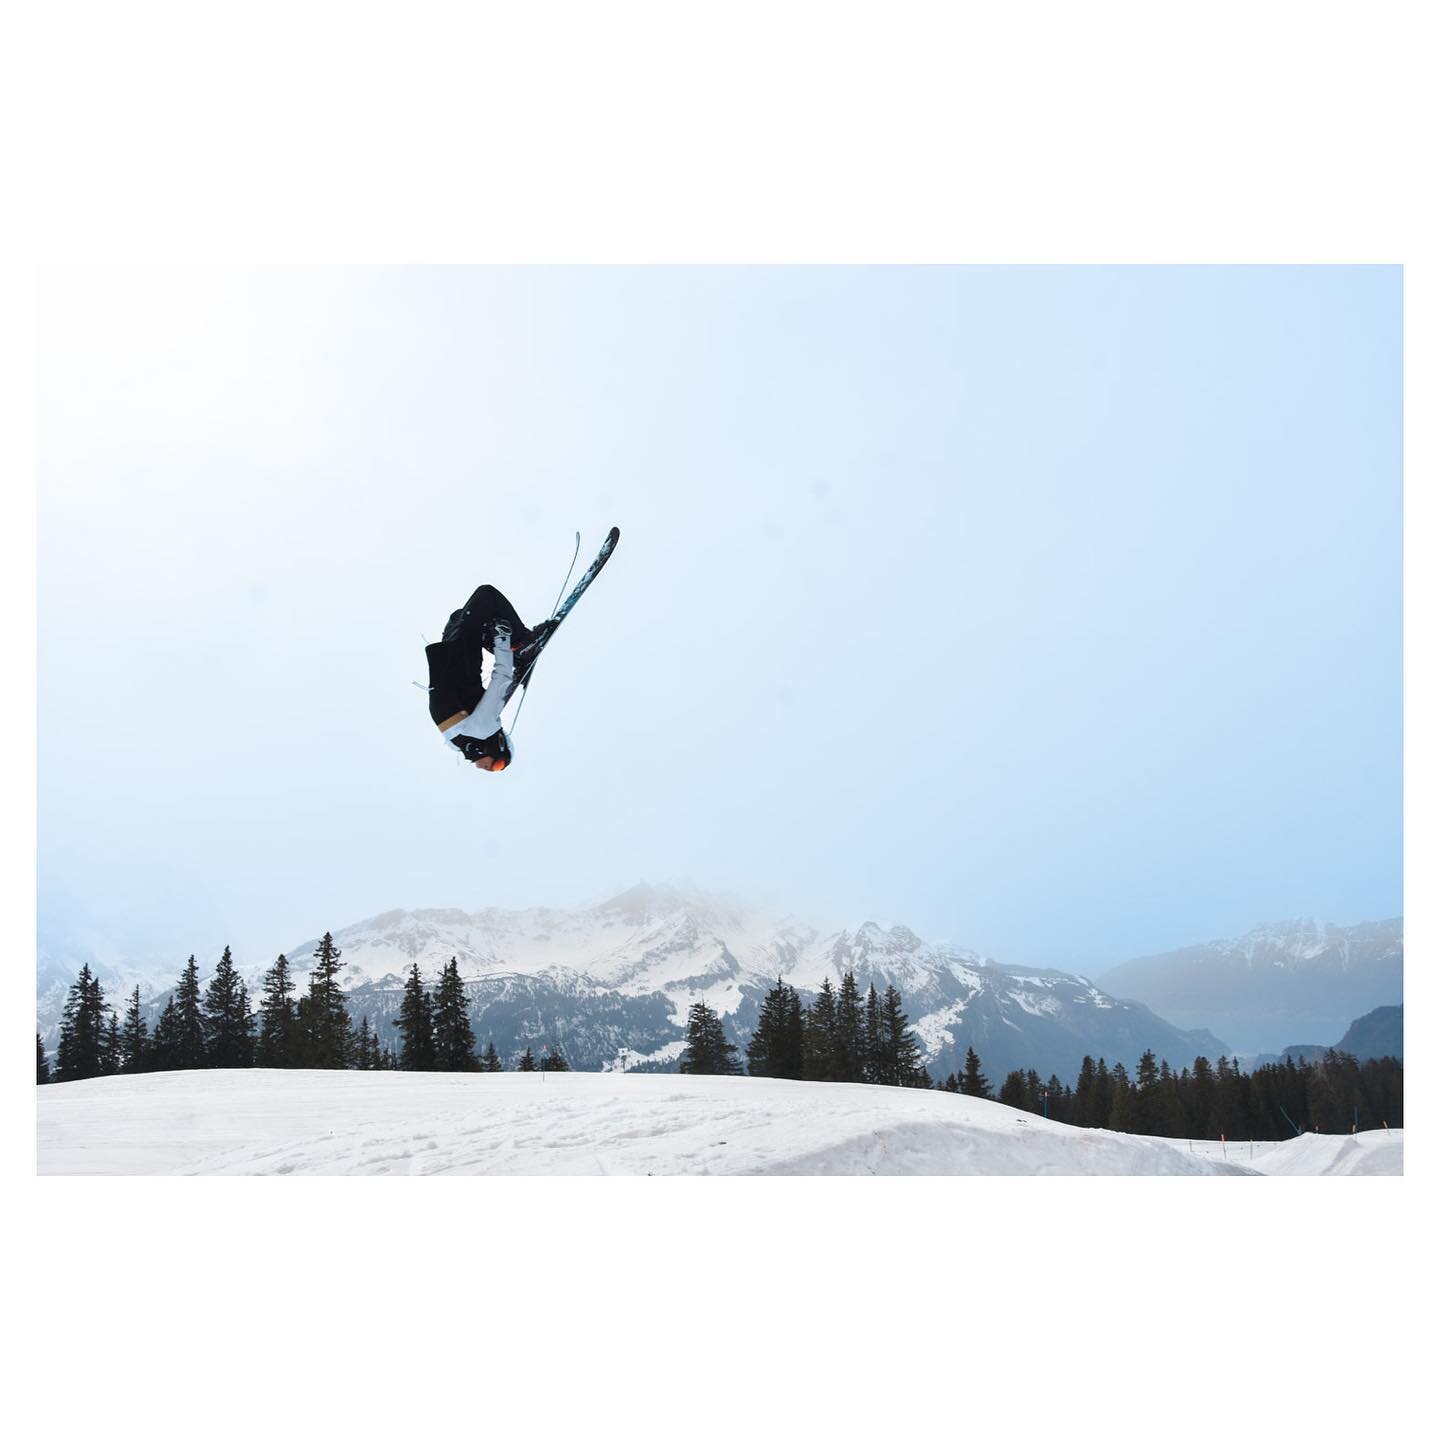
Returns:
point(1201, 1104)
point(490, 1062)
point(110, 1051)
point(416, 1025)
point(1059, 1099)
point(1171, 1110)
point(42, 1064)
point(794, 1049)
point(554, 1059)
point(188, 1052)
point(278, 1044)
point(973, 1082)
point(1085, 1096)
point(763, 1038)
point(707, 1051)
point(527, 1061)
point(1012, 1090)
point(1147, 1117)
point(454, 1039)
point(229, 1025)
point(80, 1052)
point(325, 1018)
point(362, 1059)
point(1122, 1101)
point(820, 1040)
point(849, 1056)
point(164, 1043)
point(134, 1038)
point(876, 1050)
point(1234, 1100)
point(899, 1054)
point(777, 1047)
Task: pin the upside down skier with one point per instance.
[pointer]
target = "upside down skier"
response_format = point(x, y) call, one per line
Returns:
point(466, 710)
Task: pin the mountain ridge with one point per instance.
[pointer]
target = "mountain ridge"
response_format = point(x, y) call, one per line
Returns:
point(535, 974)
point(611, 980)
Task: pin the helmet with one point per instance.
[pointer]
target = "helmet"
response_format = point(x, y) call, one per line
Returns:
point(493, 747)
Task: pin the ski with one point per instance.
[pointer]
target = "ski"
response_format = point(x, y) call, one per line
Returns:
point(566, 606)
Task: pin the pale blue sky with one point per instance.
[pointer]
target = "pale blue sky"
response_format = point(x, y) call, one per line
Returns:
point(1053, 611)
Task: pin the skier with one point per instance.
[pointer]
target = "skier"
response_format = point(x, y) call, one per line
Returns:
point(466, 710)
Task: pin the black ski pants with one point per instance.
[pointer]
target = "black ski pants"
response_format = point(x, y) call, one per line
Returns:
point(473, 625)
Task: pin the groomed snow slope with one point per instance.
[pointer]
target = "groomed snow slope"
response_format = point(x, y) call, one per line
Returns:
point(322, 1122)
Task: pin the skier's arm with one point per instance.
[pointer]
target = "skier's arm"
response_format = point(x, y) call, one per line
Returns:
point(485, 720)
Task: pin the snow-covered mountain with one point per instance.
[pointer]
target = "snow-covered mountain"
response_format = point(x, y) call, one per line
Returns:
point(1277, 981)
point(58, 960)
point(619, 977)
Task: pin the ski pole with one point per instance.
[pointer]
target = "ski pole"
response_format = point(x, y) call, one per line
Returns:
point(525, 688)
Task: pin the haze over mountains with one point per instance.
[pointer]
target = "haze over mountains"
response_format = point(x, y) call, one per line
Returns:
point(1278, 985)
point(1375, 1036)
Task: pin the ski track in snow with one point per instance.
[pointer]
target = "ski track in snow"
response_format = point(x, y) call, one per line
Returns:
point(315, 1122)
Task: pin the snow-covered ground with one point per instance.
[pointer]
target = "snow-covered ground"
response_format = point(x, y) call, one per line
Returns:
point(1372, 1152)
point(325, 1122)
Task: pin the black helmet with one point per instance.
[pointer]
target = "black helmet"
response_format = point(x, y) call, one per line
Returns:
point(494, 747)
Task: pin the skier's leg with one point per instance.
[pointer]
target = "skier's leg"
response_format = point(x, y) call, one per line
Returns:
point(474, 624)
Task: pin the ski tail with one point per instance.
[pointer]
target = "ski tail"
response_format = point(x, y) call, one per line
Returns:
point(583, 583)
point(565, 607)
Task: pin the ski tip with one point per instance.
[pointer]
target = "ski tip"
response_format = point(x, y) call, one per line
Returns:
point(614, 534)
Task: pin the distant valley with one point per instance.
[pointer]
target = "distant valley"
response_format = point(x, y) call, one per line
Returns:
point(1273, 986)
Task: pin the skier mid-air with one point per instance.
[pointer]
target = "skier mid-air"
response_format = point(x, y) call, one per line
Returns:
point(466, 710)
point(461, 704)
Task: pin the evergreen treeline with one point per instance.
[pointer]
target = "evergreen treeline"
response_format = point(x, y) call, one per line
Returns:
point(213, 1026)
point(1204, 1102)
point(837, 1037)
point(969, 1079)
